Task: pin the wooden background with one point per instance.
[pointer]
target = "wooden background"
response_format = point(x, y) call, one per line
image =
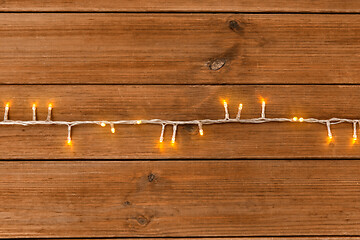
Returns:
point(177, 60)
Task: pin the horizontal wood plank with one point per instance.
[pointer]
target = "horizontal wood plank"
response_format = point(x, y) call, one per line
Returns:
point(227, 141)
point(179, 198)
point(235, 238)
point(179, 49)
point(183, 6)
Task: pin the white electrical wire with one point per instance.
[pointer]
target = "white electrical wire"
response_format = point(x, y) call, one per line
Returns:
point(163, 123)
point(328, 123)
point(227, 116)
point(354, 128)
point(162, 133)
point(263, 109)
point(34, 112)
point(239, 112)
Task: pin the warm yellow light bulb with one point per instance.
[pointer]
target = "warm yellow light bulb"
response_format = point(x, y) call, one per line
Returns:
point(102, 124)
point(329, 139)
point(225, 103)
point(50, 106)
point(201, 132)
point(113, 130)
point(7, 105)
point(172, 140)
point(301, 119)
point(138, 121)
point(240, 106)
point(295, 119)
point(34, 106)
point(161, 140)
point(69, 141)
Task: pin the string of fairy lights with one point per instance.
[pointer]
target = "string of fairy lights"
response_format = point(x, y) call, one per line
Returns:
point(174, 124)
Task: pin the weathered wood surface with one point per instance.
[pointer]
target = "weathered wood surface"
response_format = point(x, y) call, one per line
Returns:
point(179, 48)
point(229, 141)
point(247, 238)
point(184, 5)
point(179, 198)
point(237, 238)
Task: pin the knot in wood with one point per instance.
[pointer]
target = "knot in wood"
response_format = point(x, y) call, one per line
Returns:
point(142, 220)
point(151, 177)
point(217, 64)
point(233, 25)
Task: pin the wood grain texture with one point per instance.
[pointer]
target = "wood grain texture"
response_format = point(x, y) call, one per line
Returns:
point(179, 198)
point(179, 49)
point(183, 6)
point(271, 140)
point(236, 238)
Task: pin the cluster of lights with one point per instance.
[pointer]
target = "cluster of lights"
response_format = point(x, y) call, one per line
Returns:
point(164, 123)
point(296, 119)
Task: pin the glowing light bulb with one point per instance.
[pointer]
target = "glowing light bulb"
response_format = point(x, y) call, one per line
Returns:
point(34, 111)
point(69, 140)
point(162, 133)
point(201, 132)
point(239, 111)
point(354, 139)
point(138, 122)
point(49, 112)
point(6, 114)
point(103, 124)
point(263, 109)
point(329, 139)
point(227, 116)
point(295, 119)
point(301, 119)
point(112, 127)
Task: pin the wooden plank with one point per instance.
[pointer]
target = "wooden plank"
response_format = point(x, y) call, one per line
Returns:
point(179, 49)
point(179, 198)
point(100, 103)
point(241, 238)
point(183, 6)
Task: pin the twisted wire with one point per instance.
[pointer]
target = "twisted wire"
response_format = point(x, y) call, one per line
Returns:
point(164, 123)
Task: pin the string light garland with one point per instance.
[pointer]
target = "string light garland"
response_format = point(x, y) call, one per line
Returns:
point(174, 124)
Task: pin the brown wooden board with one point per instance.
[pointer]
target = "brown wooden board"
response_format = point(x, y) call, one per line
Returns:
point(239, 238)
point(179, 198)
point(229, 141)
point(183, 6)
point(70, 48)
point(236, 238)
